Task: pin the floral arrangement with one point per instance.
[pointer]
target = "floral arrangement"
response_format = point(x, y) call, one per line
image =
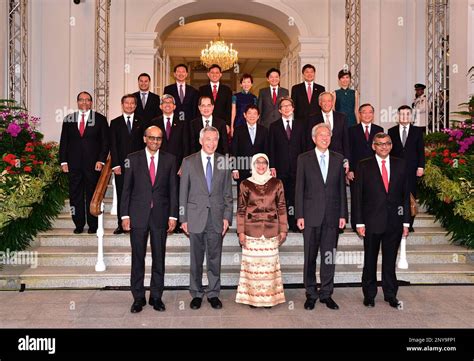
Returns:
point(32, 188)
point(447, 188)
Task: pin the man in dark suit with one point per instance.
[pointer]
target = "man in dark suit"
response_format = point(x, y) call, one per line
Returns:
point(268, 98)
point(205, 200)
point(321, 210)
point(185, 96)
point(148, 103)
point(126, 136)
point(338, 123)
point(83, 150)
point(249, 139)
point(305, 95)
point(360, 141)
point(220, 93)
point(408, 144)
point(149, 208)
point(207, 118)
point(286, 143)
point(382, 216)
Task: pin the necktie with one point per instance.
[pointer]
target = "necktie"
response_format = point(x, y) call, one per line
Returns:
point(129, 125)
point(322, 164)
point(384, 175)
point(274, 96)
point(82, 125)
point(310, 93)
point(181, 93)
point(214, 92)
point(209, 174)
point(367, 133)
point(252, 134)
point(168, 128)
point(152, 174)
point(328, 122)
point(288, 130)
point(143, 100)
point(404, 135)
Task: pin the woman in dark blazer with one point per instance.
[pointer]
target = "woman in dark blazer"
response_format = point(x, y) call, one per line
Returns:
point(262, 227)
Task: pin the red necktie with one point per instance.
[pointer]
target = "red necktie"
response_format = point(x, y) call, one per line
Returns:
point(274, 97)
point(214, 92)
point(310, 93)
point(152, 174)
point(168, 128)
point(82, 125)
point(384, 175)
point(367, 133)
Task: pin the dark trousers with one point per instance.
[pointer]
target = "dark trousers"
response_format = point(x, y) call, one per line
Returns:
point(208, 242)
point(390, 241)
point(139, 240)
point(82, 185)
point(119, 188)
point(325, 239)
point(289, 184)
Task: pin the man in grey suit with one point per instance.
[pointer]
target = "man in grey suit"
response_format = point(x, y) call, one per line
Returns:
point(321, 209)
point(268, 98)
point(205, 200)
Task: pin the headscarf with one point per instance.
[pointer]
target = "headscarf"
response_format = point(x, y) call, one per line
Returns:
point(256, 178)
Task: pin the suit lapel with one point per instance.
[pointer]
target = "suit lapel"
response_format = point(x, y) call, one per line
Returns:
point(200, 170)
point(159, 168)
point(377, 171)
point(215, 174)
point(144, 166)
point(317, 169)
point(397, 139)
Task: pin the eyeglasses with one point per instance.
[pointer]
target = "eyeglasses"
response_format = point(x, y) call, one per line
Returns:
point(84, 100)
point(386, 144)
point(154, 139)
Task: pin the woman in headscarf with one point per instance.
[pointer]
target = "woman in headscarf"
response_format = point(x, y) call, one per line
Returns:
point(262, 227)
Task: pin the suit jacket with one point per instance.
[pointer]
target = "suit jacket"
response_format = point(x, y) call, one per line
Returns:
point(318, 202)
point(187, 110)
point(223, 102)
point(303, 109)
point(152, 107)
point(269, 111)
point(373, 206)
point(360, 148)
point(122, 142)
point(196, 126)
point(83, 152)
point(138, 192)
point(340, 133)
point(195, 199)
point(262, 213)
point(242, 145)
point(178, 143)
point(414, 150)
point(283, 153)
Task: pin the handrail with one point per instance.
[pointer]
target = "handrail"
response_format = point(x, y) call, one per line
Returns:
point(101, 188)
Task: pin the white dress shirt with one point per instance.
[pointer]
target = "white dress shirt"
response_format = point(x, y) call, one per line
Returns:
point(331, 118)
point(184, 88)
point(204, 121)
point(366, 125)
point(146, 95)
point(212, 86)
point(285, 122)
point(326, 159)
point(400, 130)
point(204, 156)
point(79, 117)
point(131, 118)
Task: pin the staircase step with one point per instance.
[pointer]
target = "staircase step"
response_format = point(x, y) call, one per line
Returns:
point(231, 255)
point(86, 277)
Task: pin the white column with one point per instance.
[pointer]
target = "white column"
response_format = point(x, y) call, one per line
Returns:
point(315, 51)
point(139, 57)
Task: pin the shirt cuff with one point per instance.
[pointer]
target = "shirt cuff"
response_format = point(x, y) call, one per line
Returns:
point(406, 225)
point(173, 218)
point(420, 168)
point(63, 163)
point(101, 162)
point(235, 170)
point(117, 166)
point(360, 225)
point(125, 217)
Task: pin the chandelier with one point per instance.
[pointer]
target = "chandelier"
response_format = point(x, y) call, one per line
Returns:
point(218, 52)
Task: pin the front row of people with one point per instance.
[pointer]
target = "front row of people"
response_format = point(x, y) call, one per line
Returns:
point(150, 208)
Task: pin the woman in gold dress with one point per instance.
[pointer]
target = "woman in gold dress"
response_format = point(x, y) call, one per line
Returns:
point(262, 227)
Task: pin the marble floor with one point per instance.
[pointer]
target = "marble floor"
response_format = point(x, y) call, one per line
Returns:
point(423, 307)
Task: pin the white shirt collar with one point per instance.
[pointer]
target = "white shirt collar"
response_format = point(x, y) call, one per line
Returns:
point(318, 153)
point(183, 84)
point(379, 159)
point(142, 92)
point(310, 83)
point(251, 126)
point(366, 125)
point(128, 115)
point(407, 126)
point(87, 113)
point(168, 116)
point(148, 157)
point(204, 120)
point(273, 87)
point(285, 119)
point(204, 156)
point(212, 85)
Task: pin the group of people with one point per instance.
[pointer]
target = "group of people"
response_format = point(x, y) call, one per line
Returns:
point(174, 158)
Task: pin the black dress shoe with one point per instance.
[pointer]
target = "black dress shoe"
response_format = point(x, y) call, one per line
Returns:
point(309, 304)
point(411, 229)
point(92, 231)
point(157, 304)
point(392, 301)
point(252, 306)
point(330, 303)
point(196, 303)
point(215, 303)
point(119, 230)
point(137, 305)
point(78, 230)
point(369, 302)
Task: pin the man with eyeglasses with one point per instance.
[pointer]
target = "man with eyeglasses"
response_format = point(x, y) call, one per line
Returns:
point(149, 209)
point(382, 216)
point(83, 150)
